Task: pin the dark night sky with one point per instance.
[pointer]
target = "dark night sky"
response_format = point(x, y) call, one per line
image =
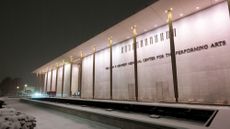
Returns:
point(33, 32)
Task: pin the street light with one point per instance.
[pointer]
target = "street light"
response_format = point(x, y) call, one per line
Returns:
point(25, 85)
point(17, 90)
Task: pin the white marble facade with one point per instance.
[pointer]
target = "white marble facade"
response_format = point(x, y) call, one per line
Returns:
point(202, 51)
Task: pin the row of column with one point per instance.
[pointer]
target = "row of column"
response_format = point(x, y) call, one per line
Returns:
point(50, 84)
point(173, 62)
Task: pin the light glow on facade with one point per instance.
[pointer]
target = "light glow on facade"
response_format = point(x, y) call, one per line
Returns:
point(201, 47)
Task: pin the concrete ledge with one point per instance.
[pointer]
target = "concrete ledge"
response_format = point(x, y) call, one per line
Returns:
point(115, 119)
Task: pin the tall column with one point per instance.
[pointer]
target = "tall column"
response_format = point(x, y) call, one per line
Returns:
point(63, 77)
point(46, 82)
point(43, 82)
point(56, 78)
point(51, 80)
point(135, 60)
point(228, 6)
point(38, 80)
point(42, 77)
point(80, 74)
point(71, 74)
point(111, 66)
point(173, 55)
point(94, 52)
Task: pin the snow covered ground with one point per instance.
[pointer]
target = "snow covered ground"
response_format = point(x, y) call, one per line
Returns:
point(12, 119)
point(51, 119)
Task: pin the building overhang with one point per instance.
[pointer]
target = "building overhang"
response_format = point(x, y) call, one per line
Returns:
point(150, 18)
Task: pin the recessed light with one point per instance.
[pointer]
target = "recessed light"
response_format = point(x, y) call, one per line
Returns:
point(155, 25)
point(181, 14)
point(197, 8)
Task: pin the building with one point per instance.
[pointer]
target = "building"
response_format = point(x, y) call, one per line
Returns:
point(138, 51)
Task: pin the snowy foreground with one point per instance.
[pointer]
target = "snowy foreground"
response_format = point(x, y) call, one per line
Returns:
point(11, 119)
point(51, 119)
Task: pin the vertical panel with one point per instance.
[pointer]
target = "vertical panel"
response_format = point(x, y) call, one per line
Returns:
point(102, 76)
point(54, 74)
point(204, 72)
point(154, 68)
point(45, 83)
point(49, 81)
point(87, 77)
point(202, 48)
point(66, 87)
point(75, 77)
point(80, 77)
point(123, 72)
point(59, 81)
